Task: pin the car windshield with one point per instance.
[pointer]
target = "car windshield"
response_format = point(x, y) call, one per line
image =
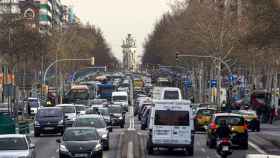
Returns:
point(80, 108)
point(171, 118)
point(49, 113)
point(230, 120)
point(119, 98)
point(104, 111)
point(78, 134)
point(68, 109)
point(206, 112)
point(90, 122)
point(115, 109)
point(171, 95)
point(79, 94)
point(13, 144)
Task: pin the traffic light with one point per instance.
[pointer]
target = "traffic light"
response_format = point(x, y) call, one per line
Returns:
point(177, 57)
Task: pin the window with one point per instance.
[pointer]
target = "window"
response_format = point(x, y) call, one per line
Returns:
point(49, 113)
point(80, 135)
point(230, 120)
point(13, 144)
point(68, 109)
point(90, 122)
point(207, 112)
point(171, 95)
point(172, 118)
point(119, 98)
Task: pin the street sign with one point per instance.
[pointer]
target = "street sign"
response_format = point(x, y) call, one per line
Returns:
point(188, 83)
point(213, 83)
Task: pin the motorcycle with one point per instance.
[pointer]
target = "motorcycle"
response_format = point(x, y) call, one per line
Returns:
point(224, 147)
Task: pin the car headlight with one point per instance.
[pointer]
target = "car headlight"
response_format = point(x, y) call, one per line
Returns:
point(74, 118)
point(36, 123)
point(104, 136)
point(98, 147)
point(60, 122)
point(63, 148)
point(121, 118)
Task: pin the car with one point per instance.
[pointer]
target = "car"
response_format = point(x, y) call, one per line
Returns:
point(142, 108)
point(98, 102)
point(120, 98)
point(104, 112)
point(117, 115)
point(251, 119)
point(98, 123)
point(145, 117)
point(81, 109)
point(237, 123)
point(34, 105)
point(16, 146)
point(49, 120)
point(203, 117)
point(171, 126)
point(83, 142)
point(70, 113)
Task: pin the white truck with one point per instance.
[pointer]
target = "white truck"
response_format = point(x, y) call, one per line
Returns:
point(171, 126)
point(120, 98)
point(167, 93)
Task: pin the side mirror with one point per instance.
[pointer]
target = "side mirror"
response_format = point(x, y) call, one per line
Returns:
point(124, 112)
point(32, 146)
point(58, 141)
point(65, 116)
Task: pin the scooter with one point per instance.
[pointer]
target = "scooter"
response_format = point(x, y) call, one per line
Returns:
point(224, 147)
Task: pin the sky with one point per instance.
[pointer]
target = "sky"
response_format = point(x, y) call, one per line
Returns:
point(117, 18)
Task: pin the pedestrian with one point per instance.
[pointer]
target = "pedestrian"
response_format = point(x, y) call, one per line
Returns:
point(272, 115)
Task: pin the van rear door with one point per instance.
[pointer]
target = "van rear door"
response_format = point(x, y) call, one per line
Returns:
point(172, 126)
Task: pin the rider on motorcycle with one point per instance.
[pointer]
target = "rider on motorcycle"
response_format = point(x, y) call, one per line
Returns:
point(223, 131)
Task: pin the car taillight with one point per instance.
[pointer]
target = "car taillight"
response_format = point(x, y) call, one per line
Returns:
point(213, 125)
point(245, 126)
point(199, 117)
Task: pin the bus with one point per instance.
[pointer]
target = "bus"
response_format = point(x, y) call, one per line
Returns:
point(104, 90)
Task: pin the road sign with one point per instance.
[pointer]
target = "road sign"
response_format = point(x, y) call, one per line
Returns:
point(188, 83)
point(213, 83)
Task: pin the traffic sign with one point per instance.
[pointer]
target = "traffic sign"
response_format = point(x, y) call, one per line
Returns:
point(213, 83)
point(188, 83)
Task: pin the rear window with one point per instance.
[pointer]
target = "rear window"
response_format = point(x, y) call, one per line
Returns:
point(49, 113)
point(171, 95)
point(207, 112)
point(80, 108)
point(230, 120)
point(171, 118)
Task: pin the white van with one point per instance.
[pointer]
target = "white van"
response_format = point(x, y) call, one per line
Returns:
point(167, 93)
point(171, 126)
point(120, 98)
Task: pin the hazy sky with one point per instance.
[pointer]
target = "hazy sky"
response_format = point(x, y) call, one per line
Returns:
point(117, 18)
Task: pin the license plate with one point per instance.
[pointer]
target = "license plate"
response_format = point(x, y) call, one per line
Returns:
point(48, 128)
point(81, 155)
point(225, 148)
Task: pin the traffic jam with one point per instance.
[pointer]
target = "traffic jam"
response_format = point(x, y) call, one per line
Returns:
point(93, 109)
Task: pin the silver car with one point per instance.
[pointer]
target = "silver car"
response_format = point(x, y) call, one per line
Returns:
point(16, 146)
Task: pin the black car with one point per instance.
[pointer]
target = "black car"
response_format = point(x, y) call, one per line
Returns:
point(82, 142)
point(97, 122)
point(49, 120)
point(117, 115)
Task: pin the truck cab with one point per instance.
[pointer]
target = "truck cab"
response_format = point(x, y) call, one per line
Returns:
point(171, 126)
point(120, 98)
point(167, 93)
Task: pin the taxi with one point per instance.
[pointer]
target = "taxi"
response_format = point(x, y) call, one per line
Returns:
point(203, 117)
point(251, 118)
point(239, 129)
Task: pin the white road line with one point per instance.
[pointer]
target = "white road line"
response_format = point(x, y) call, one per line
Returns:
point(203, 150)
point(130, 150)
point(131, 120)
point(218, 156)
point(257, 148)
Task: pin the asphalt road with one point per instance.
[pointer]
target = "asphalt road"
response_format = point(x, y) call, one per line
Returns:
point(130, 142)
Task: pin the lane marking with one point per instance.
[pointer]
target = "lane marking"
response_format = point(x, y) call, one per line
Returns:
point(131, 120)
point(203, 150)
point(257, 148)
point(130, 150)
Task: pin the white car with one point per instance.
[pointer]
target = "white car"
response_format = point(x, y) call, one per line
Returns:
point(16, 146)
point(171, 126)
point(70, 113)
point(120, 98)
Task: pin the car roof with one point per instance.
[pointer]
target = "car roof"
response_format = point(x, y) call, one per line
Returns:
point(79, 105)
point(205, 108)
point(119, 93)
point(61, 105)
point(227, 114)
point(12, 136)
point(89, 116)
point(70, 128)
point(46, 108)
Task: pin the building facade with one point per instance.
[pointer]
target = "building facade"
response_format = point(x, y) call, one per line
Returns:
point(129, 54)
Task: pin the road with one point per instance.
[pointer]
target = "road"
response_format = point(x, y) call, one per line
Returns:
point(130, 143)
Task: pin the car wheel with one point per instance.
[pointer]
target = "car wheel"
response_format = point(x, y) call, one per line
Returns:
point(36, 133)
point(245, 146)
point(258, 128)
point(150, 147)
point(189, 151)
point(61, 156)
point(106, 148)
point(122, 125)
